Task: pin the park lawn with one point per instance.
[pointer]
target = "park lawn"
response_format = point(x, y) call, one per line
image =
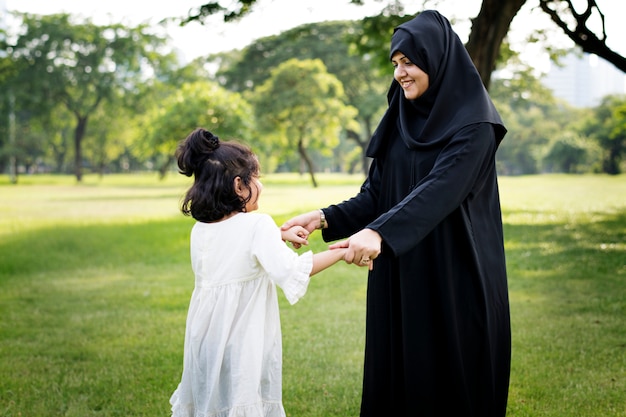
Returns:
point(95, 282)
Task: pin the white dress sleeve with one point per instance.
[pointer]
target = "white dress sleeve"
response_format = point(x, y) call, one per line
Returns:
point(288, 270)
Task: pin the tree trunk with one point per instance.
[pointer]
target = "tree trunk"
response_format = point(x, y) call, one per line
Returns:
point(12, 157)
point(363, 144)
point(489, 28)
point(79, 133)
point(165, 167)
point(611, 164)
point(307, 160)
point(59, 158)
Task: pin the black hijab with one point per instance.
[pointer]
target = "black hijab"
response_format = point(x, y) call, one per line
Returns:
point(455, 98)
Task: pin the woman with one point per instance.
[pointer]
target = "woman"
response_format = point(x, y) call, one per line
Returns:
point(427, 223)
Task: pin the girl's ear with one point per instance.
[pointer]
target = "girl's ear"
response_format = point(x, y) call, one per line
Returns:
point(240, 190)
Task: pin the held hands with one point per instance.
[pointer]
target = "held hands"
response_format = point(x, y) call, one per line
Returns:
point(307, 221)
point(362, 248)
point(297, 235)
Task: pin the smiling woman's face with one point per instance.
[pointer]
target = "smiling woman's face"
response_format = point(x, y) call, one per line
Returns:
point(412, 79)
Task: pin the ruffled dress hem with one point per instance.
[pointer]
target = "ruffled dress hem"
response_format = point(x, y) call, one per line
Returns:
point(259, 409)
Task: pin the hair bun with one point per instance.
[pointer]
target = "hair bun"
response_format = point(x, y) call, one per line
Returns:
point(212, 141)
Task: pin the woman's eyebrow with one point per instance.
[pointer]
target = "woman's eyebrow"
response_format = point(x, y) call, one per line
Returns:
point(399, 58)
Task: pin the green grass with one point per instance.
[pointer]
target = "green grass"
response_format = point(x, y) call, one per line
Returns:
point(95, 283)
point(566, 255)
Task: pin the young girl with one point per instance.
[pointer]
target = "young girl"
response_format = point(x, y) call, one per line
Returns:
point(232, 362)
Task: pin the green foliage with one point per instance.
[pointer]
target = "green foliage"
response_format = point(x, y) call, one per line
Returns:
point(537, 125)
point(197, 104)
point(98, 105)
point(364, 88)
point(79, 65)
point(109, 138)
point(570, 154)
point(327, 41)
point(302, 105)
point(233, 12)
point(607, 125)
point(83, 63)
point(374, 37)
point(95, 283)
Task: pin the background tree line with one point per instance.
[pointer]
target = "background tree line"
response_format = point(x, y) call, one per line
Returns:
point(77, 96)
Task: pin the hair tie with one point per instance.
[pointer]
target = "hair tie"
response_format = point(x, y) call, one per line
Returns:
point(213, 141)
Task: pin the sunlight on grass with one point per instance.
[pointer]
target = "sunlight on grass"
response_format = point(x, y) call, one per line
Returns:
point(133, 198)
point(548, 198)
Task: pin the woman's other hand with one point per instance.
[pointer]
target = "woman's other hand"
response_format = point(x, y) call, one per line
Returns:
point(362, 248)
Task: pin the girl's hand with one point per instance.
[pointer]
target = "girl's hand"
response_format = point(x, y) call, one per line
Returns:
point(297, 235)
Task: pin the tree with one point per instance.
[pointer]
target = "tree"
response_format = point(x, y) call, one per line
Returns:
point(199, 104)
point(301, 105)
point(363, 86)
point(569, 153)
point(534, 119)
point(80, 65)
point(607, 125)
point(489, 27)
point(8, 72)
point(59, 128)
point(109, 138)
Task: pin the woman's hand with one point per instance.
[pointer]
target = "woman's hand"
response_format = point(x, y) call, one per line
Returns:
point(309, 221)
point(363, 247)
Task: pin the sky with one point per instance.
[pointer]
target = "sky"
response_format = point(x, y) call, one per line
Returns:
point(271, 17)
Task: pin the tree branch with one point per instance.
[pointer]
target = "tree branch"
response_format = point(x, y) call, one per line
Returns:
point(581, 34)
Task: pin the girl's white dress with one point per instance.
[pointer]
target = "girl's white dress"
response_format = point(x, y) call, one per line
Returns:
point(232, 364)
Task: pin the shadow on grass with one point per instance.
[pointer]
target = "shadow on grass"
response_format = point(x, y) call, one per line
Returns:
point(568, 304)
point(93, 318)
point(74, 247)
point(555, 255)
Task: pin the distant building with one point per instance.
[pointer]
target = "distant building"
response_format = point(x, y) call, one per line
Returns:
point(583, 80)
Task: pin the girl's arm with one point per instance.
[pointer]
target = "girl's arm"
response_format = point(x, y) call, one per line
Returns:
point(323, 260)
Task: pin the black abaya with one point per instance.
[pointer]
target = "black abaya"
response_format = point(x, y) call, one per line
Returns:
point(438, 337)
point(437, 326)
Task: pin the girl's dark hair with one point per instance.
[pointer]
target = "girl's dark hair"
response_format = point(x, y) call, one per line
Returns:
point(214, 165)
